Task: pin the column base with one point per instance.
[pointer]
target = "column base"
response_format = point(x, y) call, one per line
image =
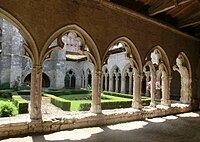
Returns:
point(136, 105)
point(166, 103)
point(153, 104)
point(96, 109)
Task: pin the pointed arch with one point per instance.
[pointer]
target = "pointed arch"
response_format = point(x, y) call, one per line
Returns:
point(89, 42)
point(187, 63)
point(132, 52)
point(164, 57)
point(30, 46)
point(128, 65)
point(113, 68)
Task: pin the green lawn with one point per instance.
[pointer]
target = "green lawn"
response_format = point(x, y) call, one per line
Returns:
point(82, 102)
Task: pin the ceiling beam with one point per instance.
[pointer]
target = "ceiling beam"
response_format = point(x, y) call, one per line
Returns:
point(162, 6)
point(194, 19)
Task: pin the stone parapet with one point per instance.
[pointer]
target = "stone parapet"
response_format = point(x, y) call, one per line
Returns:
point(11, 127)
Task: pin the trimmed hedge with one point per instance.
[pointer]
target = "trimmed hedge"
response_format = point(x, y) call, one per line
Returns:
point(23, 92)
point(20, 103)
point(6, 93)
point(118, 94)
point(59, 102)
point(116, 100)
point(58, 92)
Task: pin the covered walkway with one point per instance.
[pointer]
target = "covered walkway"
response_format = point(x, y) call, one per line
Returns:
point(173, 128)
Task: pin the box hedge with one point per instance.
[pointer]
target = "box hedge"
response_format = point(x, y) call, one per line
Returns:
point(20, 103)
point(59, 102)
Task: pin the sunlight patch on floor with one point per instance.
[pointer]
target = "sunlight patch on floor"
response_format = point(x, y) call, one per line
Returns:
point(128, 126)
point(170, 117)
point(189, 114)
point(76, 134)
point(156, 120)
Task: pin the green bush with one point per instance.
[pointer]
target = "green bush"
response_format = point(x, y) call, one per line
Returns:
point(58, 92)
point(5, 86)
point(5, 93)
point(118, 94)
point(23, 92)
point(7, 108)
point(59, 102)
point(20, 103)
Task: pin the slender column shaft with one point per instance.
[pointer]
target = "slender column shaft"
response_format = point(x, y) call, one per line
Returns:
point(111, 83)
point(106, 82)
point(35, 96)
point(130, 83)
point(153, 88)
point(117, 83)
point(123, 87)
point(165, 90)
point(137, 90)
point(96, 92)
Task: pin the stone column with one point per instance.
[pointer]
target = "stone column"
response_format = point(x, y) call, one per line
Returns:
point(35, 96)
point(106, 82)
point(116, 82)
point(96, 92)
point(147, 74)
point(111, 83)
point(130, 82)
point(165, 90)
point(82, 84)
point(86, 81)
point(152, 89)
point(137, 90)
point(123, 86)
point(70, 80)
point(102, 83)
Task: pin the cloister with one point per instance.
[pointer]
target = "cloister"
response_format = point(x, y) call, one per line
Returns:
point(152, 57)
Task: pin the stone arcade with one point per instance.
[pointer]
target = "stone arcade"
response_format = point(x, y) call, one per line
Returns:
point(118, 50)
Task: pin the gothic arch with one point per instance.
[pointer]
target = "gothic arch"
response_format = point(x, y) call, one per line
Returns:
point(188, 65)
point(93, 55)
point(184, 68)
point(132, 52)
point(45, 79)
point(125, 68)
point(30, 45)
point(113, 68)
point(164, 57)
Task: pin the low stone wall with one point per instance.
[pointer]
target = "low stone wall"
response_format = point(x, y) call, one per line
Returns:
point(11, 127)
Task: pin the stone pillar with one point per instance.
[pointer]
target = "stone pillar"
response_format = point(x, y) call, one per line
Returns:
point(86, 81)
point(123, 86)
point(96, 92)
point(147, 74)
point(116, 82)
point(106, 82)
point(165, 90)
point(82, 82)
point(102, 83)
point(35, 96)
point(111, 83)
point(130, 82)
point(152, 89)
point(137, 90)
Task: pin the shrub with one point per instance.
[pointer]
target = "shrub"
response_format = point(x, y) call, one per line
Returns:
point(5, 94)
point(23, 92)
point(20, 103)
point(7, 109)
point(118, 94)
point(4, 86)
point(59, 102)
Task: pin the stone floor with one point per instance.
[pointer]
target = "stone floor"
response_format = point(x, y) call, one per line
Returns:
point(174, 128)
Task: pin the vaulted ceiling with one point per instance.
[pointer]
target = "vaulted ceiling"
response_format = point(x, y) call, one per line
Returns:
point(180, 14)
